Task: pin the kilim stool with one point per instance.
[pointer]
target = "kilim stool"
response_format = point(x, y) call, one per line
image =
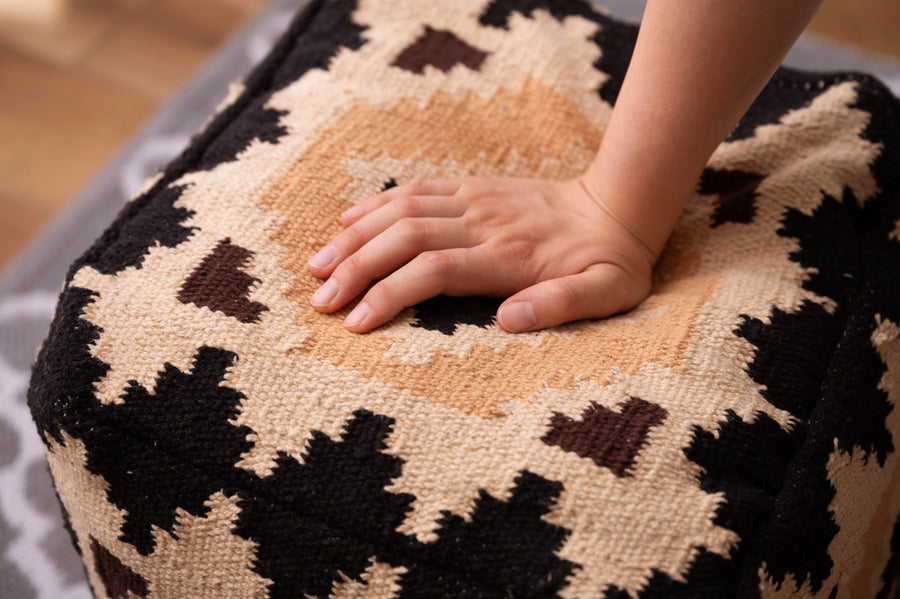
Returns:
point(735, 435)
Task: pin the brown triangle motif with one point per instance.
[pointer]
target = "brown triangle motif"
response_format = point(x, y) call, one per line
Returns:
point(611, 439)
point(440, 49)
point(219, 283)
point(119, 580)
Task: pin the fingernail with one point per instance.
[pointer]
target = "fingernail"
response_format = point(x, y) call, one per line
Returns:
point(324, 258)
point(357, 210)
point(357, 316)
point(325, 294)
point(517, 316)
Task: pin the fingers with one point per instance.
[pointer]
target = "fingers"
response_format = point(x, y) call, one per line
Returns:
point(481, 236)
point(401, 243)
point(600, 291)
point(351, 239)
point(449, 272)
point(420, 188)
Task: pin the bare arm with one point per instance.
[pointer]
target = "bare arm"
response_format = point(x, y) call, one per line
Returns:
point(566, 250)
point(696, 68)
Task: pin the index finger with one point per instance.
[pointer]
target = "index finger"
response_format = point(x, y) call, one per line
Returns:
point(438, 187)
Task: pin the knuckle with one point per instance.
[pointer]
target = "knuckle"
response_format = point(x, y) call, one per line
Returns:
point(516, 251)
point(383, 299)
point(350, 238)
point(567, 296)
point(350, 268)
point(378, 295)
point(479, 214)
point(479, 181)
point(472, 215)
point(408, 206)
point(501, 221)
point(415, 188)
point(412, 230)
point(437, 261)
point(474, 187)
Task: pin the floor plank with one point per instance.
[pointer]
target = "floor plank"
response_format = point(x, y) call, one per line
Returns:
point(73, 91)
point(208, 20)
point(67, 40)
point(58, 128)
point(149, 57)
point(23, 219)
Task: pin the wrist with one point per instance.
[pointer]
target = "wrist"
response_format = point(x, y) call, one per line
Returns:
point(647, 203)
point(635, 236)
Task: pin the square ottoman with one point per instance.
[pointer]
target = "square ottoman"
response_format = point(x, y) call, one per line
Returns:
point(735, 435)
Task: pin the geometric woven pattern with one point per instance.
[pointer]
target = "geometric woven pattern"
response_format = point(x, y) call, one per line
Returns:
point(210, 434)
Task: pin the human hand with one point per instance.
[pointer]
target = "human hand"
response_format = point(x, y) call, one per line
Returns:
point(545, 245)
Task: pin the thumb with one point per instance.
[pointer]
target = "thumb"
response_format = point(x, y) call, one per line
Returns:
point(600, 291)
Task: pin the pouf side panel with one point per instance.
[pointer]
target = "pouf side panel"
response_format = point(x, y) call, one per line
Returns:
point(849, 452)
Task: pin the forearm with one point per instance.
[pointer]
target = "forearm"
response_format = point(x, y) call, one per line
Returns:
point(696, 69)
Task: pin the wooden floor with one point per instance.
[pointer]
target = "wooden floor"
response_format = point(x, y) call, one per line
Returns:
point(74, 90)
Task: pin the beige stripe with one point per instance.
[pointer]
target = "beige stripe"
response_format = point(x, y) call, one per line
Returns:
point(84, 497)
point(813, 150)
point(378, 581)
point(789, 588)
point(867, 495)
point(204, 559)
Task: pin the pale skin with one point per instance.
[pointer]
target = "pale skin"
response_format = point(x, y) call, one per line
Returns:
point(561, 251)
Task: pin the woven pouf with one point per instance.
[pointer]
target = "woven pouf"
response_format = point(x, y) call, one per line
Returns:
point(735, 435)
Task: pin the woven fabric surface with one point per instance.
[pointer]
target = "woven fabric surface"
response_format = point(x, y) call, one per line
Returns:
point(733, 436)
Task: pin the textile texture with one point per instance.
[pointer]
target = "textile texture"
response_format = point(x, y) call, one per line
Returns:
point(211, 435)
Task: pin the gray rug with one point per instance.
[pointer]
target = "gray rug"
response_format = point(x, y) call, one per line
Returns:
point(36, 556)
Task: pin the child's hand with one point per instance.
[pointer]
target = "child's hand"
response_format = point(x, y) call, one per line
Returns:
point(546, 245)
